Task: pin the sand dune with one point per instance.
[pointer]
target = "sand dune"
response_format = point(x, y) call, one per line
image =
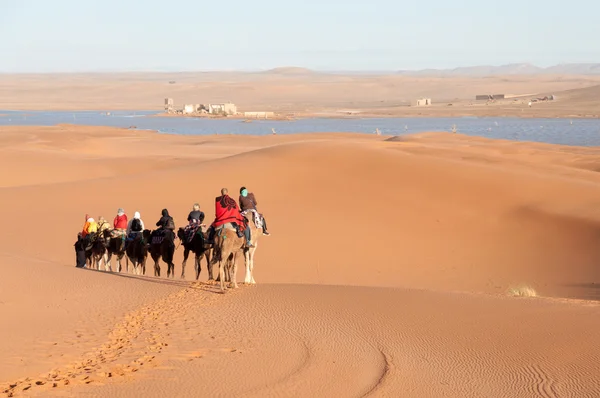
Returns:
point(387, 272)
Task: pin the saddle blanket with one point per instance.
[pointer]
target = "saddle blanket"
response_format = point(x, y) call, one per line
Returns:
point(257, 217)
point(157, 239)
point(190, 231)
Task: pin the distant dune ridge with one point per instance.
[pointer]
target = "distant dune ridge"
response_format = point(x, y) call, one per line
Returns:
point(429, 265)
point(511, 69)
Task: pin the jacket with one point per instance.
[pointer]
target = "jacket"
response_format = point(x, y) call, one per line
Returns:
point(226, 211)
point(248, 202)
point(196, 215)
point(165, 220)
point(89, 228)
point(103, 226)
point(120, 222)
point(129, 230)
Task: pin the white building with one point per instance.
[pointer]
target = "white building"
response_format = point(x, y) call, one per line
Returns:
point(227, 108)
point(422, 102)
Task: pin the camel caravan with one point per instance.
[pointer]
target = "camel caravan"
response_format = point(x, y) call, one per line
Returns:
point(234, 233)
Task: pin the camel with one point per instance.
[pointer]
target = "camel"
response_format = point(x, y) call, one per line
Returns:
point(226, 249)
point(165, 249)
point(255, 234)
point(98, 252)
point(137, 252)
point(199, 248)
point(116, 246)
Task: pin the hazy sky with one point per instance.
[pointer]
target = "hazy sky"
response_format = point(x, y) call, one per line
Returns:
point(87, 35)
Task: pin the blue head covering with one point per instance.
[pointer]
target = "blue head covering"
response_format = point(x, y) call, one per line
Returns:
point(244, 192)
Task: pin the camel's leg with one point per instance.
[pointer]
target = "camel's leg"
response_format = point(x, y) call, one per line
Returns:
point(186, 253)
point(222, 275)
point(233, 275)
point(228, 270)
point(156, 268)
point(198, 268)
point(252, 251)
point(108, 257)
point(144, 265)
point(107, 266)
point(171, 270)
point(209, 265)
point(248, 276)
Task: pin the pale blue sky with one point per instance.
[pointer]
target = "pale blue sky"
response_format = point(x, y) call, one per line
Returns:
point(86, 35)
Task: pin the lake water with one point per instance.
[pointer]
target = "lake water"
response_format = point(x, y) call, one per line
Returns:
point(584, 132)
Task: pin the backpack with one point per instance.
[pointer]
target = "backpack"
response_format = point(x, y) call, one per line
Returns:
point(136, 225)
point(170, 224)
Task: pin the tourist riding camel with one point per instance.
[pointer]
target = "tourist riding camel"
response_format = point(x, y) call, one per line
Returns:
point(120, 221)
point(165, 224)
point(89, 227)
point(248, 204)
point(103, 225)
point(226, 211)
point(195, 219)
point(166, 221)
point(196, 216)
point(135, 227)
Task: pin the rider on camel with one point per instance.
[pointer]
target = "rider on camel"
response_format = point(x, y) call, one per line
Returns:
point(166, 221)
point(195, 220)
point(226, 211)
point(120, 221)
point(196, 216)
point(135, 227)
point(89, 227)
point(165, 224)
point(248, 203)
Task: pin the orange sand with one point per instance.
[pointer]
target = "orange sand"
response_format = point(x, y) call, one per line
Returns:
point(388, 271)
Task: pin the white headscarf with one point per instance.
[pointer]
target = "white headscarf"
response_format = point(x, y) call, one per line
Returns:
point(137, 215)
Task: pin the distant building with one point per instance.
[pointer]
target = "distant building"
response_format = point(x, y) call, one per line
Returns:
point(188, 108)
point(489, 97)
point(169, 105)
point(422, 102)
point(259, 115)
point(227, 108)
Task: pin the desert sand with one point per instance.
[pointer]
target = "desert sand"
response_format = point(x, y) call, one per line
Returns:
point(305, 93)
point(391, 270)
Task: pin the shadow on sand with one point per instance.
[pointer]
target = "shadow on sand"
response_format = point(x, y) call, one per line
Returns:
point(211, 287)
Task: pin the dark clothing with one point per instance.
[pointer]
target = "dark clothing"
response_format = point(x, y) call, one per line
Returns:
point(80, 252)
point(248, 202)
point(196, 215)
point(165, 220)
point(247, 235)
point(136, 225)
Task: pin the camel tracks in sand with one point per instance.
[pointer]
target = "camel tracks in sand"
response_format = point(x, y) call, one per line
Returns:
point(133, 343)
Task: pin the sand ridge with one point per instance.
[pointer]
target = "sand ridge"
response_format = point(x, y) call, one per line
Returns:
point(409, 247)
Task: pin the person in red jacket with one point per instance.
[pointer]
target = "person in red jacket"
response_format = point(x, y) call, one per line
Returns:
point(227, 211)
point(120, 222)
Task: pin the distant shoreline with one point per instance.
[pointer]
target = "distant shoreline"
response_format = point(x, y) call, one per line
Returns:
point(432, 113)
